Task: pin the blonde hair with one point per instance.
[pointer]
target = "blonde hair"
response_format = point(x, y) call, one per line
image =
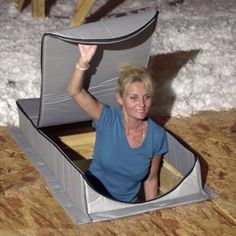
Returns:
point(131, 73)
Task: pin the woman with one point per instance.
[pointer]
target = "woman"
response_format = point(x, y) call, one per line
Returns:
point(129, 145)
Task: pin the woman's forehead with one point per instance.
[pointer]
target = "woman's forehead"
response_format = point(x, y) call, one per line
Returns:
point(137, 87)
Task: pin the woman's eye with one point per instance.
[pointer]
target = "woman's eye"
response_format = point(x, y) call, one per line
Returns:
point(134, 98)
point(147, 97)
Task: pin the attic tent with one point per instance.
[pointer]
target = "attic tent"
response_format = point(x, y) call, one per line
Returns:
point(58, 137)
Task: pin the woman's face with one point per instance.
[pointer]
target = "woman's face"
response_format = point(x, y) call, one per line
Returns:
point(136, 101)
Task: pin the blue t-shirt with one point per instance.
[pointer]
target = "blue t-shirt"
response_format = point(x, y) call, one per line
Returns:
point(118, 166)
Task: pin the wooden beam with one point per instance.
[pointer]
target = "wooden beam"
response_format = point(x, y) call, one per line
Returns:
point(19, 4)
point(169, 177)
point(82, 9)
point(82, 143)
point(38, 8)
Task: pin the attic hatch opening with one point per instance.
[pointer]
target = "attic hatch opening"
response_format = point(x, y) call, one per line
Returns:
point(77, 142)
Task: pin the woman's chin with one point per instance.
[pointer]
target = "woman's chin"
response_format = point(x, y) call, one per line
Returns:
point(141, 116)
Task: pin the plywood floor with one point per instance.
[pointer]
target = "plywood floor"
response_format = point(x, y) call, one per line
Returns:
point(28, 208)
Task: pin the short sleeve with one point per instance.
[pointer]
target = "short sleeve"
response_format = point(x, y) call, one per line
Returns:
point(106, 118)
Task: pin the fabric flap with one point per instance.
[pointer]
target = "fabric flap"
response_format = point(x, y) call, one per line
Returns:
point(121, 40)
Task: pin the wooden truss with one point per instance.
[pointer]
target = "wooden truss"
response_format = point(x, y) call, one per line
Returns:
point(81, 10)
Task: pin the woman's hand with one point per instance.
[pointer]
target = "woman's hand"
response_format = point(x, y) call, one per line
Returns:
point(86, 53)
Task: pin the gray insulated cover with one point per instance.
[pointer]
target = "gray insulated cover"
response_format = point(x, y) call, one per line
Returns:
point(121, 40)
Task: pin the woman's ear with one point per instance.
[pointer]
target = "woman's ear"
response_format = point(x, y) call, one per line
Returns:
point(119, 99)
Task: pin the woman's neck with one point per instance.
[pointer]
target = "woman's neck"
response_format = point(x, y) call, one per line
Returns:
point(135, 131)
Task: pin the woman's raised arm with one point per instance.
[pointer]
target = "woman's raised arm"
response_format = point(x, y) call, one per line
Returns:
point(75, 88)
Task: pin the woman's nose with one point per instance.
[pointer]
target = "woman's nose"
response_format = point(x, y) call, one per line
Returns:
point(141, 102)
